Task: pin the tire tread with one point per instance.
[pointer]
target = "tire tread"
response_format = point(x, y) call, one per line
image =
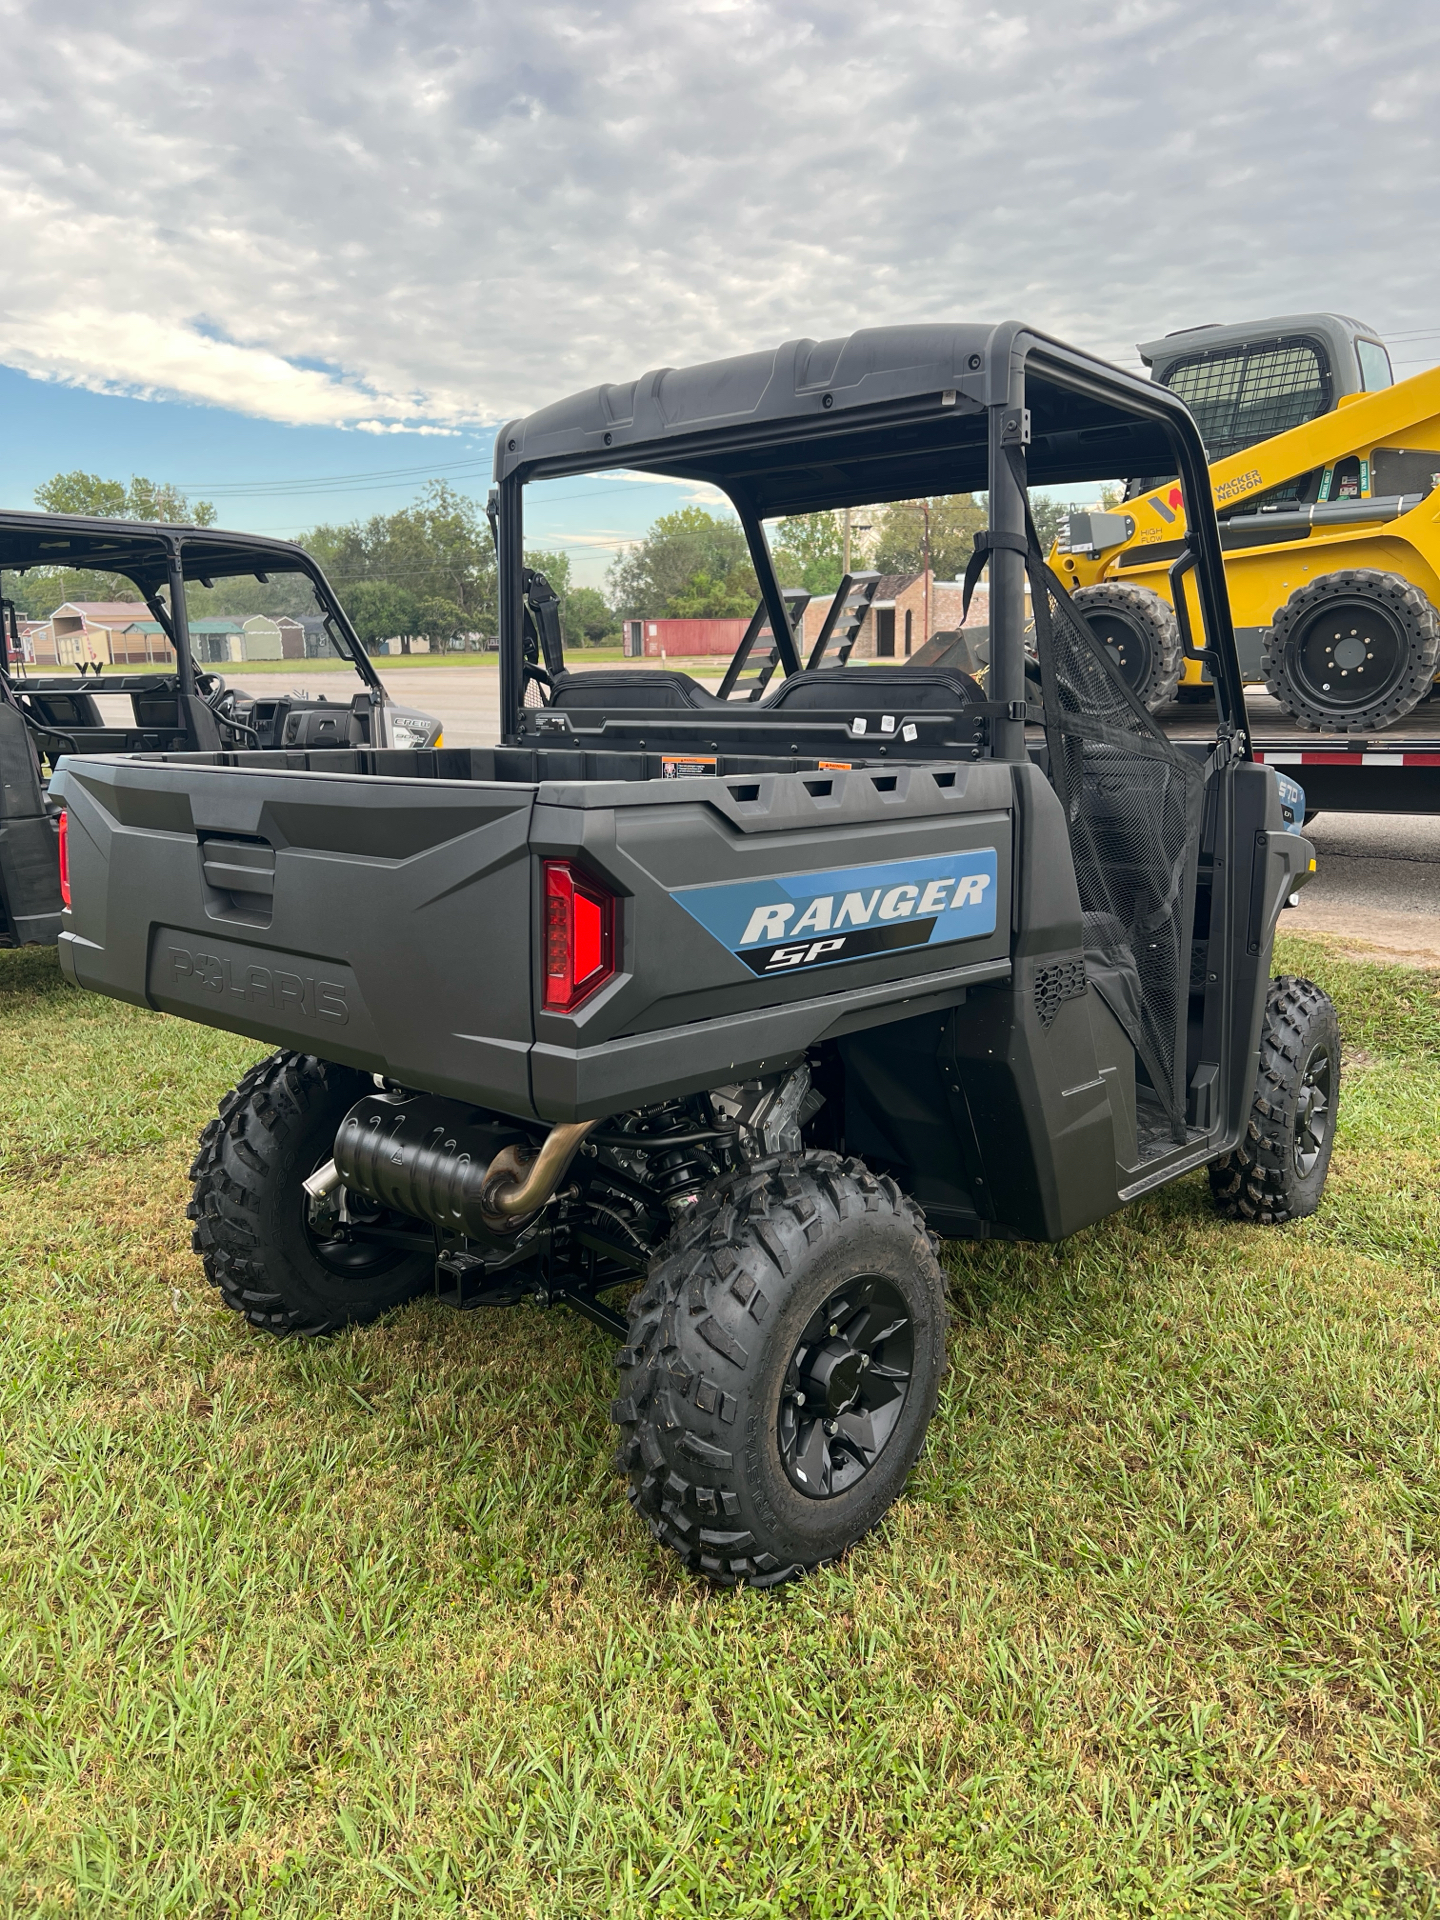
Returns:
point(1257, 1181)
point(1405, 600)
point(746, 1225)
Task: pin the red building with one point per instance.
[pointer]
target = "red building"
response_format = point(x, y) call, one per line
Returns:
point(675, 639)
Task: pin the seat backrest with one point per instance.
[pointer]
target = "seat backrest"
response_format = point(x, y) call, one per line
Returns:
point(628, 690)
point(157, 706)
point(877, 690)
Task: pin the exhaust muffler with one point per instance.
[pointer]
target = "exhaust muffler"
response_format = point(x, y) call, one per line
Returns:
point(439, 1161)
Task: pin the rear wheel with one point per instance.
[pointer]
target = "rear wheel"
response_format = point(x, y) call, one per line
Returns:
point(285, 1267)
point(1139, 633)
point(782, 1366)
point(1278, 1171)
point(1353, 651)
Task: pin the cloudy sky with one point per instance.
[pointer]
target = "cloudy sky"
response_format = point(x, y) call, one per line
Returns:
point(299, 252)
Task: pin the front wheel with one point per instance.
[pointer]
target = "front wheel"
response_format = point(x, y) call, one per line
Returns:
point(1353, 651)
point(1139, 634)
point(782, 1366)
point(277, 1262)
point(1278, 1171)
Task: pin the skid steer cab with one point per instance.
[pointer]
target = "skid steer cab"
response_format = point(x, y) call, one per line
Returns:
point(138, 638)
point(708, 1009)
point(1323, 472)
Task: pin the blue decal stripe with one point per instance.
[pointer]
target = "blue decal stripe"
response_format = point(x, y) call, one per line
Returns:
point(830, 915)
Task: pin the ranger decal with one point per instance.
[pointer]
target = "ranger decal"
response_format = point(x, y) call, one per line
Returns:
point(803, 920)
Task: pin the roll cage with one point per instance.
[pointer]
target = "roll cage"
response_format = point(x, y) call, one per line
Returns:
point(157, 557)
point(885, 414)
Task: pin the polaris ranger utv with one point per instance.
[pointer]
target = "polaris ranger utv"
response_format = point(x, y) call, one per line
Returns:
point(172, 602)
point(735, 1002)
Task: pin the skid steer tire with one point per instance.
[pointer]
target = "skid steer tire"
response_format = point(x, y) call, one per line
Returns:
point(1330, 635)
point(735, 1395)
point(251, 1214)
point(1139, 633)
point(1277, 1172)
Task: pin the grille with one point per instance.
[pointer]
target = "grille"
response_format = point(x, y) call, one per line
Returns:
point(1248, 395)
point(1062, 980)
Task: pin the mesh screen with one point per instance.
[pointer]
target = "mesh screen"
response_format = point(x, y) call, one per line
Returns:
point(1248, 395)
point(1132, 805)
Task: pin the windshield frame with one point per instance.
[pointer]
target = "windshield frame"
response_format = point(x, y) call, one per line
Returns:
point(167, 556)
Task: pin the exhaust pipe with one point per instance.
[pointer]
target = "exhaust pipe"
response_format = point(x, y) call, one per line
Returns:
point(323, 1182)
point(518, 1185)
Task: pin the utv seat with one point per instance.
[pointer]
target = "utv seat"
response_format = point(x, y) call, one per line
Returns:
point(877, 690)
point(631, 689)
point(158, 706)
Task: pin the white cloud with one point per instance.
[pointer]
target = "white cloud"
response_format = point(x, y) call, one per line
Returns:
point(400, 426)
point(431, 213)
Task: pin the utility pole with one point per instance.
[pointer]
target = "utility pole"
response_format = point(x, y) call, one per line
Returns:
point(922, 507)
point(925, 636)
point(845, 565)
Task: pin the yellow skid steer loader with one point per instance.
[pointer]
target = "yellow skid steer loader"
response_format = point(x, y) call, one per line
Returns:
point(1323, 474)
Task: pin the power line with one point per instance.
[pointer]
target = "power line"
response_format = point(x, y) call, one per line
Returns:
point(340, 479)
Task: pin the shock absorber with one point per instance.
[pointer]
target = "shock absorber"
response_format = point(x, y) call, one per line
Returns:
point(676, 1173)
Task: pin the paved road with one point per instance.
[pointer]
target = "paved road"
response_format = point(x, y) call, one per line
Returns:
point(1377, 882)
point(467, 699)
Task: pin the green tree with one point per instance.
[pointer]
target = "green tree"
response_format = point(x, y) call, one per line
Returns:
point(87, 493)
point(706, 598)
point(439, 620)
point(41, 591)
point(436, 551)
point(657, 577)
point(899, 535)
point(554, 566)
point(587, 618)
point(809, 551)
point(379, 610)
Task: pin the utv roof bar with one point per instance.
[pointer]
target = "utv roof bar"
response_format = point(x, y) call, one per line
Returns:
point(809, 426)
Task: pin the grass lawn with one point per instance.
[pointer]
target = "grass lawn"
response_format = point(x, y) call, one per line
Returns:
point(367, 1628)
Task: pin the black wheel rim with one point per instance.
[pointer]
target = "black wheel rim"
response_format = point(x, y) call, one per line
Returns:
point(1129, 650)
point(845, 1387)
point(1313, 1110)
point(345, 1256)
point(1348, 654)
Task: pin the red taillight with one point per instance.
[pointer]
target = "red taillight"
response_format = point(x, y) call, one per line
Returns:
point(65, 856)
point(579, 936)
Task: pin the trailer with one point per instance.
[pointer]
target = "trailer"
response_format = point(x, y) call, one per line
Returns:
point(1340, 772)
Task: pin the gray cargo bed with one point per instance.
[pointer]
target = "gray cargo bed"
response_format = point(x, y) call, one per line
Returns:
point(393, 923)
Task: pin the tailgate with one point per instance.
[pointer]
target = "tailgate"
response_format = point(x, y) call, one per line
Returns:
point(383, 923)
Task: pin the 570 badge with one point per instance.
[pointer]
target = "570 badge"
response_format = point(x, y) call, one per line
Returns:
point(802, 920)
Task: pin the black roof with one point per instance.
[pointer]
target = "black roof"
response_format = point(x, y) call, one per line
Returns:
point(138, 548)
point(884, 413)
